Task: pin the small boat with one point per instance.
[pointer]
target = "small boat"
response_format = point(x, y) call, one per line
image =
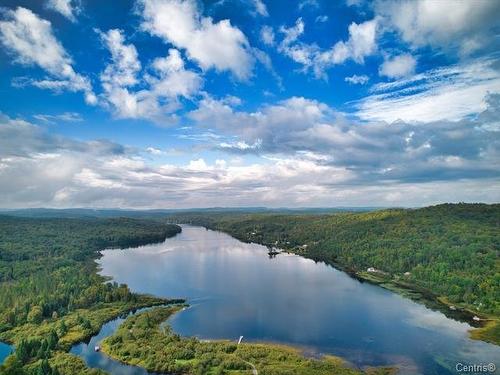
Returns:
point(453, 307)
point(97, 348)
point(476, 318)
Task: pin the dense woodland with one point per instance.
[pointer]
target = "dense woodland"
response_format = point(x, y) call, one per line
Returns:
point(450, 249)
point(50, 293)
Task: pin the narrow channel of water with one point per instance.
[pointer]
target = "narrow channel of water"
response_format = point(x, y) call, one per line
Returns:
point(96, 359)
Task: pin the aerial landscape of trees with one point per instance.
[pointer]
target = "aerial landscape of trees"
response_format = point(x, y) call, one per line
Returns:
point(50, 293)
point(52, 297)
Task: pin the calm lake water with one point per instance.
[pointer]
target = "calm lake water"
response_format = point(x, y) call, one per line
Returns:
point(235, 289)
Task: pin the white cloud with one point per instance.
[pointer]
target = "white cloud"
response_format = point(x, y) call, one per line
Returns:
point(172, 79)
point(241, 145)
point(260, 8)
point(217, 45)
point(125, 60)
point(267, 35)
point(465, 25)
point(68, 8)
point(373, 151)
point(322, 18)
point(31, 41)
point(292, 33)
point(360, 44)
point(156, 98)
point(154, 151)
point(39, 169)
point(355, 3)
point(302, 53)
point(63, 117)
point(398, 66)
point(450, 93)
point(357, 80)
point(312, 4)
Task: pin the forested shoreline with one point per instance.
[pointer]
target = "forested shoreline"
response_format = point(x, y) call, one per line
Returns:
point(450, 251)
point(50, 293)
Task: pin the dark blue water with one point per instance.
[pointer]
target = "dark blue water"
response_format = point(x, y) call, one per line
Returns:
point(235, 289)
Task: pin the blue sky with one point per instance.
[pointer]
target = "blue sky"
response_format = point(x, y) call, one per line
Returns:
point(178, 103)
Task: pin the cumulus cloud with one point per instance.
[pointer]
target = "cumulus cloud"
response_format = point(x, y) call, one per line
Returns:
point(260, 8)
point(157, 96)
point(398, 66)
point(449, 93)
point(217, 45)
point(357, 80)
point(30, 40)
point(125, 60)
point(360, 44)
point(68, 8)
point(404, 152)
point(40, 169)
point(267, 35)
point(465, 25)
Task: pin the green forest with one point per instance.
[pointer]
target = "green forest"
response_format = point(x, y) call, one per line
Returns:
point(449, 250)
point(50, 293)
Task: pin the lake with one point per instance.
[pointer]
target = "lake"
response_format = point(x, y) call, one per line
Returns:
point(234, 289)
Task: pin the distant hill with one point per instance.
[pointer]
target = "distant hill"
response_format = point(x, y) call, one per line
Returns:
point(103, 213)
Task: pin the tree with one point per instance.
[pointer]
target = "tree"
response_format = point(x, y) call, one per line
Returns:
point(35, 315)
